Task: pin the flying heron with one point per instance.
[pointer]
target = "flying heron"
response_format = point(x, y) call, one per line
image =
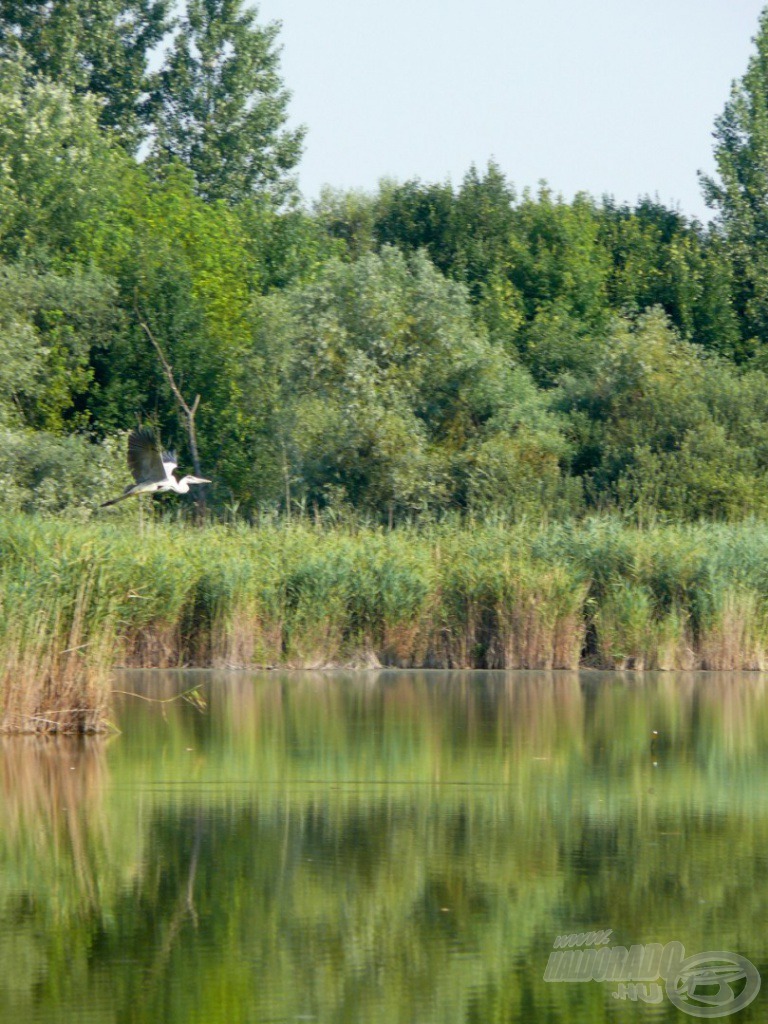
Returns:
point(152, 468)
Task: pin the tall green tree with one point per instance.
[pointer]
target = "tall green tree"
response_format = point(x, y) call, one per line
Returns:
point(384, 393)
point(415, 215)
point(58, 171)
point(662, 426)
point(221, 107)
point(95, 46)
point(181, 266)
point(739, 191)
point(49, 324)
point(659, 258)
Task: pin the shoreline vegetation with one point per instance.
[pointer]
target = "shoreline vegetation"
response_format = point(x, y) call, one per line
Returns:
point(556, 374)
point(78, 600)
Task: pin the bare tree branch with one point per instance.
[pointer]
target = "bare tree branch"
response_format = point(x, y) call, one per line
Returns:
point(189, 411)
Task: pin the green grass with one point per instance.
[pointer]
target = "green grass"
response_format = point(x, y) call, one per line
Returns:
point(76, 599)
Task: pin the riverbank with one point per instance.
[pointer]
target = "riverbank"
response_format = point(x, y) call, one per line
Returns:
point(76, 600)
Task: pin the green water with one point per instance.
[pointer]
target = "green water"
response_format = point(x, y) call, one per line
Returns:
point(381, 848)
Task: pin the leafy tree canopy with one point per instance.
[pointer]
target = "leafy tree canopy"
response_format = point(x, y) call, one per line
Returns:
point(99, 47)
point(221, 107)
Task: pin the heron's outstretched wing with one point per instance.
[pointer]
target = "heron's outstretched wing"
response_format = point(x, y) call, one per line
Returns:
point(170, 463)
point(144, 459)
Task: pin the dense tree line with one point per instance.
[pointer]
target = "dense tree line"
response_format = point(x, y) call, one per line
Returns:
point(428, 348)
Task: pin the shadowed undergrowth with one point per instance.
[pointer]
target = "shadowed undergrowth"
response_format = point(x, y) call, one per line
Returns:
point(76, 600)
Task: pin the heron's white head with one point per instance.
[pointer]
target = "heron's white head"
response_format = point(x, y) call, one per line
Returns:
point(187, 480)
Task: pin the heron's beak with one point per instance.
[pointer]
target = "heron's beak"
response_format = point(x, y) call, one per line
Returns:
point(198, 480)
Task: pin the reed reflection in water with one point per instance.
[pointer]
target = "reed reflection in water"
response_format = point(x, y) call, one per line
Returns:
point(380, 847)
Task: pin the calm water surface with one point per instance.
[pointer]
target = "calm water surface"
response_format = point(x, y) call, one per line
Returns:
point(381, 848)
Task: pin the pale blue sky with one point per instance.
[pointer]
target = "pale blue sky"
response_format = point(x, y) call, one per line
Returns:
point(609, 96)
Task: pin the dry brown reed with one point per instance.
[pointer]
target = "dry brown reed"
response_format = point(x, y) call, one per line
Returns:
point(54, 668)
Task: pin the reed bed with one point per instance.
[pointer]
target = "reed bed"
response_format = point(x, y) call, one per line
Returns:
point(78, 599)
point(58, 628)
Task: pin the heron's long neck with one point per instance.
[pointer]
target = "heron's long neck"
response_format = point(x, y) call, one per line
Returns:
point(182, 486)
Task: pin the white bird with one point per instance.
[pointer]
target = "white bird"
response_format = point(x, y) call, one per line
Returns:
point(152, 468)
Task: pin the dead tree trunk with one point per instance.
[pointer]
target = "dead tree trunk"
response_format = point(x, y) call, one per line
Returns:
point(188, 410)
